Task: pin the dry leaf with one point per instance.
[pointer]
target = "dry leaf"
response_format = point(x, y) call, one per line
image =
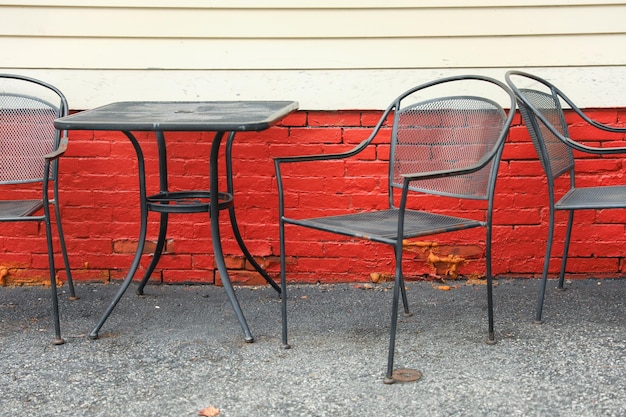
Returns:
point(443, 287)
point(210, 411)
point(378, 277)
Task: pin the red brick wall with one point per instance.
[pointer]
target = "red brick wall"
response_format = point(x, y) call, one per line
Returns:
point(100, 207)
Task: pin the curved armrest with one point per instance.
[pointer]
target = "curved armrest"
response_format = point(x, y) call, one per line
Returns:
point(324, 157)
point(576, 145)
point(589, 120)
point(340, 155)
point(592, 149)
point(59, 151)
point(316, 157)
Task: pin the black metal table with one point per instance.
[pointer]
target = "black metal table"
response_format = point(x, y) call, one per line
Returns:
point(221, 117)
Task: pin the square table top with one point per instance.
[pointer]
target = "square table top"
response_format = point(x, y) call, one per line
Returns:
point(227, 116)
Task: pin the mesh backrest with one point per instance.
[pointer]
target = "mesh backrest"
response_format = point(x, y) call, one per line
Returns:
point(27, 133)
point(556, 157)
point(447, 133)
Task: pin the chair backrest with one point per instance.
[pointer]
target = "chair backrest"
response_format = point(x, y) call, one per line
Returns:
point(451, 132)
point(542, 111)
point(28, 108)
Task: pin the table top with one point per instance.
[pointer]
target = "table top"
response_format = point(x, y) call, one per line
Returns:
point(227, 116)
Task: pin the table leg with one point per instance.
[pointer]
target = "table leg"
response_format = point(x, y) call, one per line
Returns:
point(140, 244)
point(157, 253)
point(163, 186)
point(215, 236)
point(233, 219)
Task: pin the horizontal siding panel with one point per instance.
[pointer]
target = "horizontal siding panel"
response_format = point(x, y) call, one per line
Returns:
point(326, 54)
point(480, 52)
point(314, 90)
point(319, 23)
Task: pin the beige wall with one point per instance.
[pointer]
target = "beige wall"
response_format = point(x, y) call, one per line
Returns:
point(325, 54)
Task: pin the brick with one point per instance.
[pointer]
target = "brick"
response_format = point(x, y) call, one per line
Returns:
point(298, 118)
point(334, 118)
point(315, 135)
point(188, 276)
point(370, 118)
point(238, 277)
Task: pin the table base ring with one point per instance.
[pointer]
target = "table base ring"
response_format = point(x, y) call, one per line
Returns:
point(187, 201)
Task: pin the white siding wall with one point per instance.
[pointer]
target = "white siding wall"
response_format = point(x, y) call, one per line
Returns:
point(352, 54)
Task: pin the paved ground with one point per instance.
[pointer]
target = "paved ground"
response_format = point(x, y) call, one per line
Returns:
point(179, 349)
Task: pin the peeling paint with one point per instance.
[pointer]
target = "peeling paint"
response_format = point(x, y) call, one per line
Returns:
point(446, 265)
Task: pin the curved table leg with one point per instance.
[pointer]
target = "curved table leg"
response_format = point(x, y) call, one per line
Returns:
point(215, 236)
point(233, 219)
point(158, 251)
point(142, 238)
point(160, 139)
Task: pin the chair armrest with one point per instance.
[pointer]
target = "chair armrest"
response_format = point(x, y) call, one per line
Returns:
point(579, 146)
point(592, 122)
point(324, 157)
point(585, 148)
point(59, 151)
point(450, 172)
point(592, 149)
point(340, 155)
point(310, 158)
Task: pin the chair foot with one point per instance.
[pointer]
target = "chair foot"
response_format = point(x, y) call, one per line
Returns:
point(139, 291)
point(407, 314)
point(560, 288)
point(74, 298)
point(540, 321)
point(403, 375)
point(93, 336)
point(249, 339)
point(286, 346)
point(58, 341)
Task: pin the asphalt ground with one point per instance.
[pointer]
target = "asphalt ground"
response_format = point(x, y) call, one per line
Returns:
point(178, 350)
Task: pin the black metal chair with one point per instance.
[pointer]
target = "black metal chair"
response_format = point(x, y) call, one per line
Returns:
point(30, 147)
point(541, 106)
point(445, 141)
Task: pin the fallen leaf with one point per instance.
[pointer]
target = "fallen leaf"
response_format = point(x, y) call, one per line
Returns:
point(210, 411)
point(443, 287)
point(378, 277)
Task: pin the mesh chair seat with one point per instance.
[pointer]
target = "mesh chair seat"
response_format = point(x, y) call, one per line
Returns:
point(593, 198)
point(382, 226)
point(19, 208)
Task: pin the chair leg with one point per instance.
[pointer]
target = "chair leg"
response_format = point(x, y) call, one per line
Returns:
point(546, 264)
point(58, 340)
point(401, 375)
point(491, 340)
point(394, 324)
point(568, 234)
point(283, 285)
point(405, 302)
point(66, 261)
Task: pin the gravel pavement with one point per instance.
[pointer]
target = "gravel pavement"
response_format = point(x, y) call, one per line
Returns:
point(178, 350)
